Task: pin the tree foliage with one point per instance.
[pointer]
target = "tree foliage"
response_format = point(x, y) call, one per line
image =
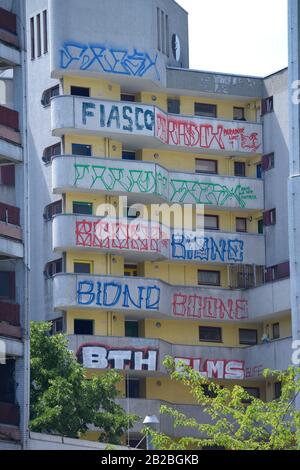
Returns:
point(233, 424)
point(63, 400)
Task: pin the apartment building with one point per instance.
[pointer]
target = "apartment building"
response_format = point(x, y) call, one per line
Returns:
point(114, 111)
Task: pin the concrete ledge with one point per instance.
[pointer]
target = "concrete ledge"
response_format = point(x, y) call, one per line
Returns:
point(9, 55)
point(39, 441)
point(11, 248)
point(9, 151)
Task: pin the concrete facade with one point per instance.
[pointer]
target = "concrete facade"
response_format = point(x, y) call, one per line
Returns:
point(103, 114)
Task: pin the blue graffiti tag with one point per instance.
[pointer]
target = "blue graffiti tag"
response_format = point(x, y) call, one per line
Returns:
point(206, 249)
point(116, 294)
point(108, 60)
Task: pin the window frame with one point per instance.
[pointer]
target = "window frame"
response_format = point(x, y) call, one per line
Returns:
point(215, 217)
point(248, 342)
point(82, 203)
point(274, 327)
point(83, 262)
point(199, 172)
point(86, 321)
point(86, 146)
point(218, 284)
point(239, 108)
point(173, 100)
point(211, 328)
point(88, 95)
point(212, 115)
point(242, 165)
point(244, 219)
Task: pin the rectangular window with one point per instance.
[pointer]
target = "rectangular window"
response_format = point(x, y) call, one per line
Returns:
point(128, 155)
point(267, 105)
point(167, 36)
point(247, 336)
point(83, 267)
point(208, 278)
point(7, 381)
point(128, 97)
point(80, 149)
point(260, 226)
point(32, 40)
point(282, 270)
point(206, 110)
point(163, 32)
point(268, 162)
point(259, 171)
point(253, 391)
point(80, 91)
point(7, 285)
point(211, 222)
point(209, 167)
point(239, 169)
point(276, 330)
point(241, 224)
point(83, 327)
point(131, 329)
point(210, 334)
point(133, 389)
point(173, 106)
point(277, 390)
point(39, 37)
point(7, 173)
point(130, 270)
point(83, 208)
point(239, 114)
point(158, 29)
point(45, 28)
point(269, 217)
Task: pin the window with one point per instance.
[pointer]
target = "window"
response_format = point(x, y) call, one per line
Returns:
point(131, 329)
point(53, 267)
point(241, 224)
point(163, 32)
point(210, 334)
point(209, 278)
point(279, 271)
point(83, 267)
point(80, 91)
point(248, 337)
point(253, 391)
point(128, 155)
point(211, 222)
point(239, 169)
point(207, 110)
point(39, 38)
point(7, 175)
point(259, 171)
point(128, 97)
point(133, 388)
point(57, 326)
point(209, 167)
point(50, 152)
point(7, 381)
point(45, 28)
point(276, 330)
point(80, 149)
point(83, 208)
point(239, 114)
point(277, 390)
point(158, 29)
point(260, 226)
point(7, 285)
point(130, 270)
point(9, 214)
point(32, 42)
point(48, 94)
point(173, 106)
point(52, 209)
point(269, 217)
point(268, 162)
point(83, 327)
point(267, 105)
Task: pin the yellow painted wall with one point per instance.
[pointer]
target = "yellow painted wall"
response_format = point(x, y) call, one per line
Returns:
point(101, 147)
point(285, 326)
point(99, 88)
point(105, 323)
point(102, 263)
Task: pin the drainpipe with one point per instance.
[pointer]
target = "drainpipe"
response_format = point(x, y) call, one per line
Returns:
point(294, 179)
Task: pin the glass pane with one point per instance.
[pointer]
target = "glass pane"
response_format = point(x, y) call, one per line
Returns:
point(79, 149)
point(4, 284)
point(211, 222)
point(204, 109)
point(127, 155)
point(206, 166)
point(248, 336)
point(132, 329)
point(207, 333)
point(83, 327)
point(80, 91)
point(209, 277)
point(239, 169)
point(83, 208)
point(241, 225)
point(82, 268)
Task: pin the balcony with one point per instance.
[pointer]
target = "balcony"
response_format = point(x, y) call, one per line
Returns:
point(9, 43)
point(10, 137)
point(146, 126)
point(156, 299)
point(151, 183)
point(10, 232)
point(9, 414)
point(142, 240)
point(145, 356)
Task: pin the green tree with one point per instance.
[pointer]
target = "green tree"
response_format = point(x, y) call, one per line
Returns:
point(234, 425)
point(63, 400)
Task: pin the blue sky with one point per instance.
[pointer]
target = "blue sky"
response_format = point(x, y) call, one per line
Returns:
point(237, 36)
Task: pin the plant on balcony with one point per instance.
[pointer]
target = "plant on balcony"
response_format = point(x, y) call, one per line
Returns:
point(63, 401)
point(238, 421)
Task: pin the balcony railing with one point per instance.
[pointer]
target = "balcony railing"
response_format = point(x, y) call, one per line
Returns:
point(149, 126)
point(10, 313)
point(145, 356)
point(155, 298)
point(152, 182)
point(10, 222)
point(9, 126)
point(151, 240)
point(9, 414)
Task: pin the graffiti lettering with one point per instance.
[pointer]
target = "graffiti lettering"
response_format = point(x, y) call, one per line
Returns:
point(195, 132)
point(213, 308)
point(255, 371)
point(98, 57)
point(215, 368)
point(97, 356)
point(115, 294)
